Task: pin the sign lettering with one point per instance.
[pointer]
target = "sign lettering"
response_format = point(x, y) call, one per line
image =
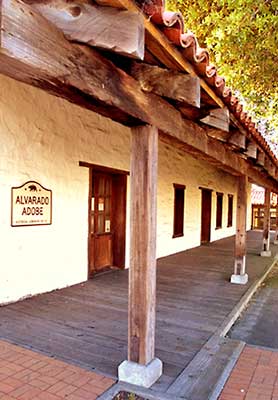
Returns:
point(31, 205)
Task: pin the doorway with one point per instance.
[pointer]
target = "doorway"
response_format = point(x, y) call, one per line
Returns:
point(206, 216)
point(107, 220)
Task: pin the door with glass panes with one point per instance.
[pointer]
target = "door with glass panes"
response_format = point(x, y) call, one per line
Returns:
point(107, 221)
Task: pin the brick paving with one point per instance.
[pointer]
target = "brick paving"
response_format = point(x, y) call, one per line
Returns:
point(26, 375)
point(254, 377)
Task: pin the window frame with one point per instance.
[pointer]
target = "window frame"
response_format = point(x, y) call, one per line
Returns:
point(230, 210)
point(219, 210)
point(179, 202)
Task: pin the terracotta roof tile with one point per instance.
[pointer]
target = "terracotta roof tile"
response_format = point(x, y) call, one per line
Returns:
point(257, 197)
point(172, 25)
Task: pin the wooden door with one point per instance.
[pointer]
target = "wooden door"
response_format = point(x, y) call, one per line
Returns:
point(206, 216)
point(107, 220)
point(101, 233)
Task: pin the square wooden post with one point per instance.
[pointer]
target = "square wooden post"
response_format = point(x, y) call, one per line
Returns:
point(239, 276)
point(142, 368)
point(276, 228)
point(266, 232)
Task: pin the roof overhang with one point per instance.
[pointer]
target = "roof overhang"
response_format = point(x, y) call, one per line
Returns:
point(35, 49)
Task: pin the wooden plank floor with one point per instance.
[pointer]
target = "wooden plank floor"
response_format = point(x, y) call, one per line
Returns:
point(86, 324)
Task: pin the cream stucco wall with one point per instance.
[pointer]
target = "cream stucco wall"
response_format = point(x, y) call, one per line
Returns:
point(43, 139)
point(175, 167)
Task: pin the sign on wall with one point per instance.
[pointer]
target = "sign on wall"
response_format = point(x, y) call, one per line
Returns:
point(31, 205)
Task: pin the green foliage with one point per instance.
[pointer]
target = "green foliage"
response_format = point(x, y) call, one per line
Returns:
point(242, 37)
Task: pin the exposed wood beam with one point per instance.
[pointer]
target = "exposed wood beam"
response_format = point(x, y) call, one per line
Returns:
point(261, 158)
point(172, 84)
point(160, 46)
point(191, 112)
point(218, 134)
point(251, 150)
point(218, 118)
point(233, 138)
point(34, 51)
point(112, 3)
point(237, 139)
point(163, 50)
point(109, 28)
point(270, 167)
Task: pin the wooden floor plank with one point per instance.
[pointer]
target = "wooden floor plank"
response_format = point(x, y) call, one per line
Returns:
point(86, 324)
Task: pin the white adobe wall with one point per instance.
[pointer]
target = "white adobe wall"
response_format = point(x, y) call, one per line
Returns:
point(43, 138)
point(183, 169)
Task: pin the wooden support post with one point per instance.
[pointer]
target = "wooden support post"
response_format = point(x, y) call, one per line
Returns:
point(142, 368)
point(266, 232)
point(276, 228)
point(240, 275)
point(275, 241)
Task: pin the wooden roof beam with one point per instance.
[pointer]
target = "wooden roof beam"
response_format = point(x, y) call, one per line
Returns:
point(218, 118)
point(270, 167)
point(120, 31)
point(251, 150)
point(160, 46)
point(260, 158)
point(237, 139)
point(171, 84)
point(218, 134)
point(170, 56)
point(34, 51)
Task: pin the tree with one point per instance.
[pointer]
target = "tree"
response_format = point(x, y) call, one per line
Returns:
point(242, 37)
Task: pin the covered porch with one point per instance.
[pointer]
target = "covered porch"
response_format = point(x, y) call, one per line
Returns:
point(87, 324)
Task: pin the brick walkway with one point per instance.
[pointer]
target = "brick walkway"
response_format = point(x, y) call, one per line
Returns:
point(254, 377)
point(26, 375)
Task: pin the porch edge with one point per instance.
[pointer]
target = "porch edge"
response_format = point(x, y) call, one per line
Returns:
point(211, 346)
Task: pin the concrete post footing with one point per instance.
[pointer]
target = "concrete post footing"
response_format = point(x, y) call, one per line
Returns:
point(140, 375)
point(239, 279)
point(266, 253)
point(275, 241)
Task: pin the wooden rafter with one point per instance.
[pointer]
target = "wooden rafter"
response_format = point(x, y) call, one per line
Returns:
point(172, 84)
point(218, 118)
point(164, 51)
point(251, 150)
point(121, 31)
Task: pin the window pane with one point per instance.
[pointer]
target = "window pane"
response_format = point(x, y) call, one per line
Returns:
point(101, 204)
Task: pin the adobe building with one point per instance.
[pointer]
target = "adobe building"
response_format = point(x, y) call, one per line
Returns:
point(112, 159)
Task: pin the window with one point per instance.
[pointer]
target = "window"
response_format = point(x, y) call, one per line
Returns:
point(219, 208)
point(230, 209)
point(178, 210)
